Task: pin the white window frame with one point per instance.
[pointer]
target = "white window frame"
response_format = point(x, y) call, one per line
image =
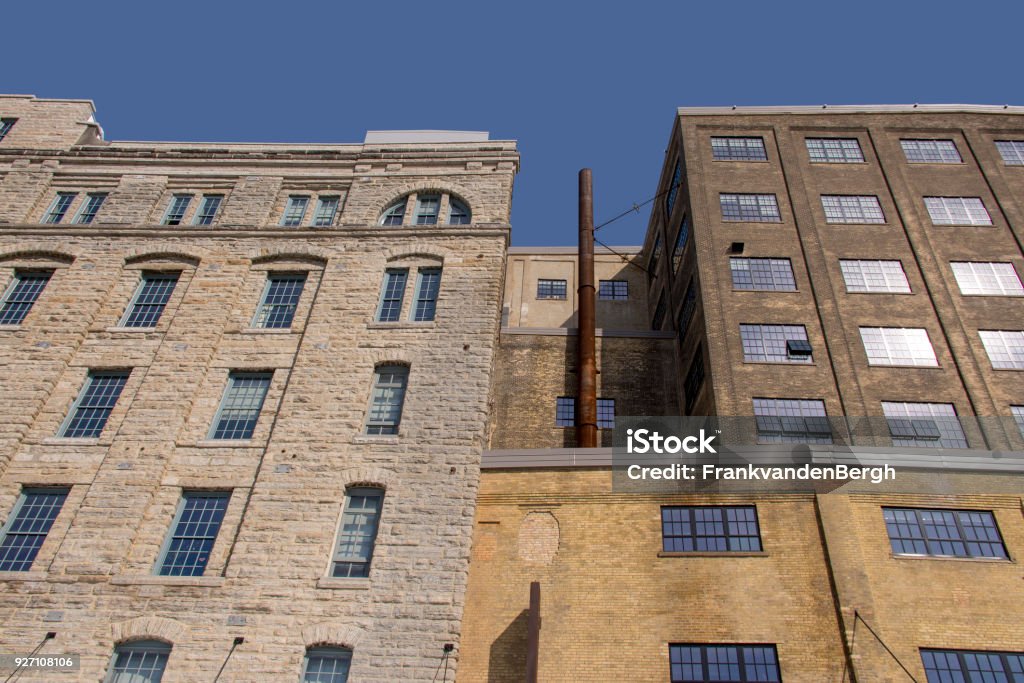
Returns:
point(1005, 348)
point(899, 346)
point(91, 206)
point(184, 209)
point(874, 276)
point(842, 209)
point(971, 277)
point(943, 210)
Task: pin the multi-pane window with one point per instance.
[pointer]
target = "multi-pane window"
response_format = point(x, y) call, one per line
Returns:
point(710, 529)
point(427, 208)
point(395, 214)
point(943, 533)
point(90, 207)
point(551, 289)
point(775, 343)
point(932, 425)
point(21, 294)
point(852, 209)
point(140, 661)
point(5, 127)
point(1012, 151)
point(687, 309)
point(358, 532)
point(652, 266)
point(326, 207)
point(874, 276)
point(59, 207)
point(208, 207)
point(151, 297)
point(428, 284)
point(673, 190)
point(738, 149)
point(606, 413)
point(386, 401)
point(240, 406)
point(763, 274)
point(390, 307)
point(724, 663)
point(694, 378)
point(680, 247)
point(1005, 348)
point(613, 290)
point(1018, 417)
point(834, 150)
point(751, 208)
point(92, 408)
point(659, 313)
point(280, 299)
point(957, 211)
point(326, 665)
point(981, 277)
point(458, 213)
point(898, 346)
point(193, 533)
point(27, 527)
point(931, 151)
point(791, 420)
point(956, 666)
point(295, 210)
point(176, 209)
point(565, 411)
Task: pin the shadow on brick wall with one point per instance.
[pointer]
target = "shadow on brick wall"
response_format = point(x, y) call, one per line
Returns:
point(507, 663)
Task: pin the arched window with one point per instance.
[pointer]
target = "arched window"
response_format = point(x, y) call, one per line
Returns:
point(139, 661)
point(458, 213)
point(357, 534)
point(395, 213)
point(326, 665)
point(427, 208)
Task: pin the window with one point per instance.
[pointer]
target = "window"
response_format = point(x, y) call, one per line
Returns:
point(694, 378)
point(613, 290)
point(387, 398)
point(428, 283)
point(687, 529)
point(21, 294)
point(27, 527)
point(762, 274)
point(834, 150)
point(358, 532)
point(687, 309)
point(1005, 348)
point(1012, 151)
point(606, 413)
point(59, 207)
point(92, 408)
point(898, 346)
point(774, 343)
point(852, 209)
point(458, 213)
point(673, 190)
point(659, 313)
point(751, 208)
point(395, 214)
point(326, 207)
point(1018, 417)
point(295, 210)
point(193, 533)
point(931, 151)
point(5, 127)
point(427, 208)
point(565, 411)
point(719, 663)
point(961, 665)
point(151, 297)
point(140, 661)
point(943, 533)
point(326, 665)
point(280, 299)
point(791, 420)
point(551, 289)
point(176, 209)
point(738, 149)
point(207, 209)
point(874, 276)
point(957, 211)
point(979, 277)
point(390, 307)
point(90, 207)
point(680, 247)
point(240, 406)
point(652, 266)
point(933, 425)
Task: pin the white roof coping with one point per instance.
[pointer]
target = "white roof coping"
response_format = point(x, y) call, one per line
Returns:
point(385, 137)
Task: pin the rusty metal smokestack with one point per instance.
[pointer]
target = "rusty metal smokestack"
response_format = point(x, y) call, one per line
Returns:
point(586, 363)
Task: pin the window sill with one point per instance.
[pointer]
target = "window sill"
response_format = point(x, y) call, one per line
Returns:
point(963, 225)
point(132, 330)
point(912, 367)
point(883, 225)
point(991, 560)
point(778, 362)
point(68, 441)
point(146, 580)
point(23, 576)
point(376, 438)
point(337, 583)
point(740, 161)
point(226, 443)
point(402, 325)
point(723, 553)
point(267, 330)
point(9, 327)
point(771, 291)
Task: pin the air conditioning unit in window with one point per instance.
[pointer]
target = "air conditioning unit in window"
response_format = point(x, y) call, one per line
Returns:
point(798, 348)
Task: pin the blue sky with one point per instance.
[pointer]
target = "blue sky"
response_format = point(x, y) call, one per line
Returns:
point(577, 84)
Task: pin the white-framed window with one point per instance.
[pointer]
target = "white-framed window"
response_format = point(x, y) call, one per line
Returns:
point(280, 300)
point(193, 532)
point(357, 534)
point(91, 410)
point(834, 150)
point(852, 209)
point(176, 209)
point(933, 425)
point(240, 406)
point(762, 274)
point(898, 346)
point(387, 399)
point(1012, 151)
point(90, 207)
point(326, 665)
point(749, 208)
point(21, 295)
point(988, 278)
point(931, 151)
point(28, 525)
point(874, 276)
point(424, 208)
point(738, 149)
point(1005, 348)
point(59, 207)
point(139, 661)
point(150, 299)
point(957, 211)
point(208, 207)
point(775, 344)
point(792, 420)
point(295, 210)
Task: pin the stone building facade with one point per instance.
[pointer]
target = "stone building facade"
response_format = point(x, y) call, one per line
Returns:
point(327, 340)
